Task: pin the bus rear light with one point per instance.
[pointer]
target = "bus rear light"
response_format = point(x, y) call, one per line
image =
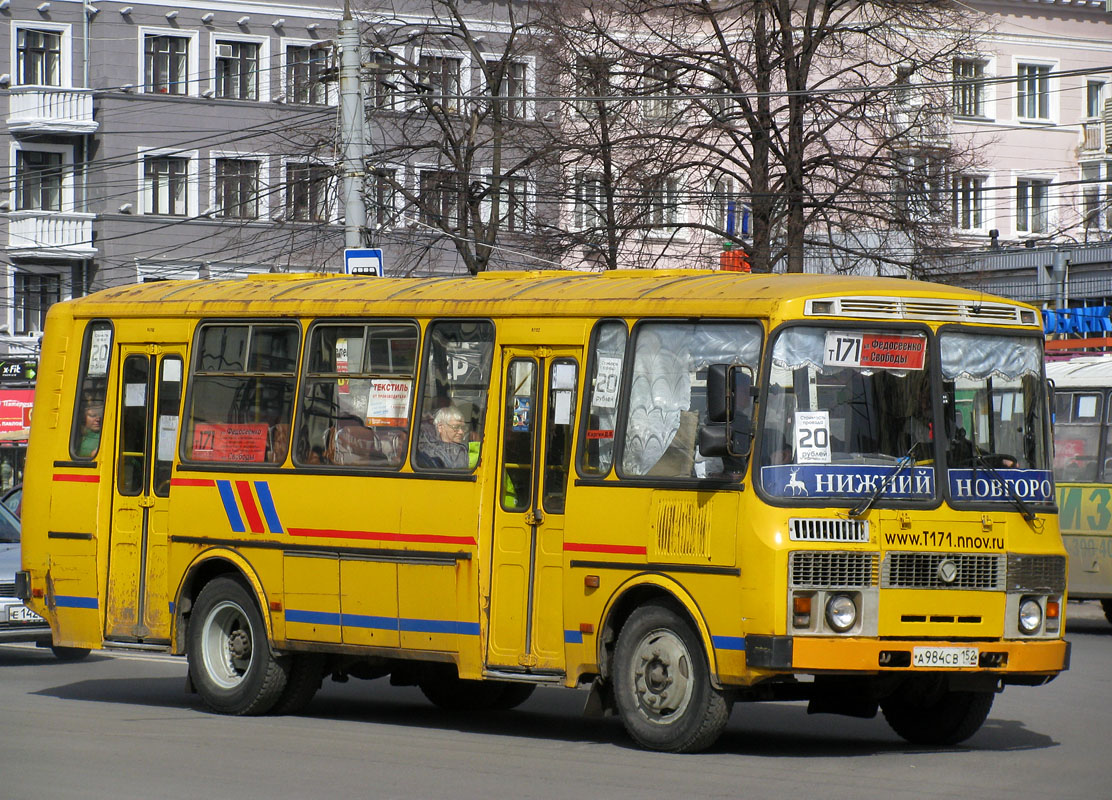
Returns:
point(37, 592)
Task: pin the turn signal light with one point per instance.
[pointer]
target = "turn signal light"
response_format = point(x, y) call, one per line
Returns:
point(801, 611)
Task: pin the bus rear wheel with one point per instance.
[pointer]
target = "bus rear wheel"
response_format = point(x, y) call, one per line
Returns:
point(662, 684)
point(230, 661)
point(924, 710)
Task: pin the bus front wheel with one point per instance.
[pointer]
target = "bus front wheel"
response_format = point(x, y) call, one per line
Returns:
point(924, 710)
point(230, 661)
point(662, 684)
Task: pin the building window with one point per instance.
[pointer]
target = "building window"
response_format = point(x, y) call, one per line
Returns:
point(513, 204)
point(305, 70)
point(660, 86)
point(508, 79)
point(439, 82)
point(1033, 91)
point(1094, 99)
point(592, 80)
point(237, 70)
point(969, 202)
point(661, 202)
point(38, 58)
point(237, 188)
point(969, 87)
point(440, 197)
point(38, 178)
point(923, 190)
point(166, 61)
point(384, 197)
point(34, 295)
point(384, 85)
point(307, 192)
point(589, 200)
point(1032, 206)
point(165, 180)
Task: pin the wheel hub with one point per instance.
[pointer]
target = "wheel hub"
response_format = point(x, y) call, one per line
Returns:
point(239, 644)
point(662, 675)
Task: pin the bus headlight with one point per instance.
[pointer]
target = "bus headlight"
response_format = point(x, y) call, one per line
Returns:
point(841, 612)
point(1030, 616)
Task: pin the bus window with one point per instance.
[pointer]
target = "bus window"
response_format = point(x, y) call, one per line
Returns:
point(519, 437)
point(1077, 418)
point(562, 382)
point(357, 394)
point(91, 388)
point(667, 396)
point(169, 407)
point(454, 394)
point(133, 425)
point(241, 395)
point(607, 358)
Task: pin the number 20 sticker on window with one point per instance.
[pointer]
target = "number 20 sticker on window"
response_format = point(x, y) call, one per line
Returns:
point(874, 350)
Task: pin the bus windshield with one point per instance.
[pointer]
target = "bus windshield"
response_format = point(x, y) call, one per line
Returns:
point(995, 414)
point(844, 409)
point(850, 411)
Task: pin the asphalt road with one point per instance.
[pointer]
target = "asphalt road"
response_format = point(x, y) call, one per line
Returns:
point(121, 726)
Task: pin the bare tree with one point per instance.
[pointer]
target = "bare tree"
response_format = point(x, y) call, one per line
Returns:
point(455, 148)
point(826, 118)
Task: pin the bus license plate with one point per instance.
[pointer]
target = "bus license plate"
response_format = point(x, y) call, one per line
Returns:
point(23, 614)
point(944, 657)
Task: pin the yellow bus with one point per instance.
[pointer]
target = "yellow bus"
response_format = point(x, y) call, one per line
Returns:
point(1083, 471)
point(679, 489)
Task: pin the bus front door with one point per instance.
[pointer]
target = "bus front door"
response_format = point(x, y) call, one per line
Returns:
point(148, 409)
point(526, 631)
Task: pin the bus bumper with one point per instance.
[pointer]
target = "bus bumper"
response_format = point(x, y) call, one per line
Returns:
point(822, 654)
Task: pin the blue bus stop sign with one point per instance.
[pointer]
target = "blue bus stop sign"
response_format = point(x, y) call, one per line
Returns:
point(363, 262)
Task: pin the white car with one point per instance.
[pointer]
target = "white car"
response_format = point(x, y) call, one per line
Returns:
point(17, 622)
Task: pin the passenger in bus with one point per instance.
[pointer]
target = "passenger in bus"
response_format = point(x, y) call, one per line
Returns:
point(91, 420)
point(449, 449)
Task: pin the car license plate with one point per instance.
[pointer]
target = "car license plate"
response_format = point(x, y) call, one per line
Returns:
point(23, 614)
point(944, 657)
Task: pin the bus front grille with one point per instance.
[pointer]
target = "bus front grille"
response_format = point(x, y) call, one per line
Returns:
point(821, 529)
point(823, 569)
point(984, 572)
point(1036, 574)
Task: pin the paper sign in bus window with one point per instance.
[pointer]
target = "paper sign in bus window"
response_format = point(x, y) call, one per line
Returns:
point(388, 402)
point(812, 437)
point(241, 443)
point(874, 350)
point(607, 378)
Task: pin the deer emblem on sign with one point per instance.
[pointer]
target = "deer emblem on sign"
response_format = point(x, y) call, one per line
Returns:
point(795, 485)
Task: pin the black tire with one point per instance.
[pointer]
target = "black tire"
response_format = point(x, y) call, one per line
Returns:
point(1106, 604)
point(924, 711)
point(69, 653)
point(445, 689)
point(306, 673)
point(230, 661)
point(662, 684)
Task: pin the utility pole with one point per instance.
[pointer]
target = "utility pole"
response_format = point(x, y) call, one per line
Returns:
point(351, 130)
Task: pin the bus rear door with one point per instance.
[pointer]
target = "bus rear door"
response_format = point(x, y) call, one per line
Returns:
point(526, 632)
point(149, 408)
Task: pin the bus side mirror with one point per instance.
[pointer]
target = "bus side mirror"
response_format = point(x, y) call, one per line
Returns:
point(729, 430)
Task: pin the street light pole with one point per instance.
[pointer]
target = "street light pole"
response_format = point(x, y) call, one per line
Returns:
point(352, 130)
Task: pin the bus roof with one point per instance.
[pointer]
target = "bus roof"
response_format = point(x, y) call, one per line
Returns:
point(1090, 371)
point(590, 294)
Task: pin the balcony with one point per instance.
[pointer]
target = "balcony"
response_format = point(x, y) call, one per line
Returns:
point(43, 109)
point(51, 233)
point(1092, 136)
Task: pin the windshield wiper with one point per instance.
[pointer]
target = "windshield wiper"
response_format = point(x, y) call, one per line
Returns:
point(905, 461)
point(979, 458)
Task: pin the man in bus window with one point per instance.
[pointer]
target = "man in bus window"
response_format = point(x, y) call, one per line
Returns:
point(91, 420)
point(449, 449)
